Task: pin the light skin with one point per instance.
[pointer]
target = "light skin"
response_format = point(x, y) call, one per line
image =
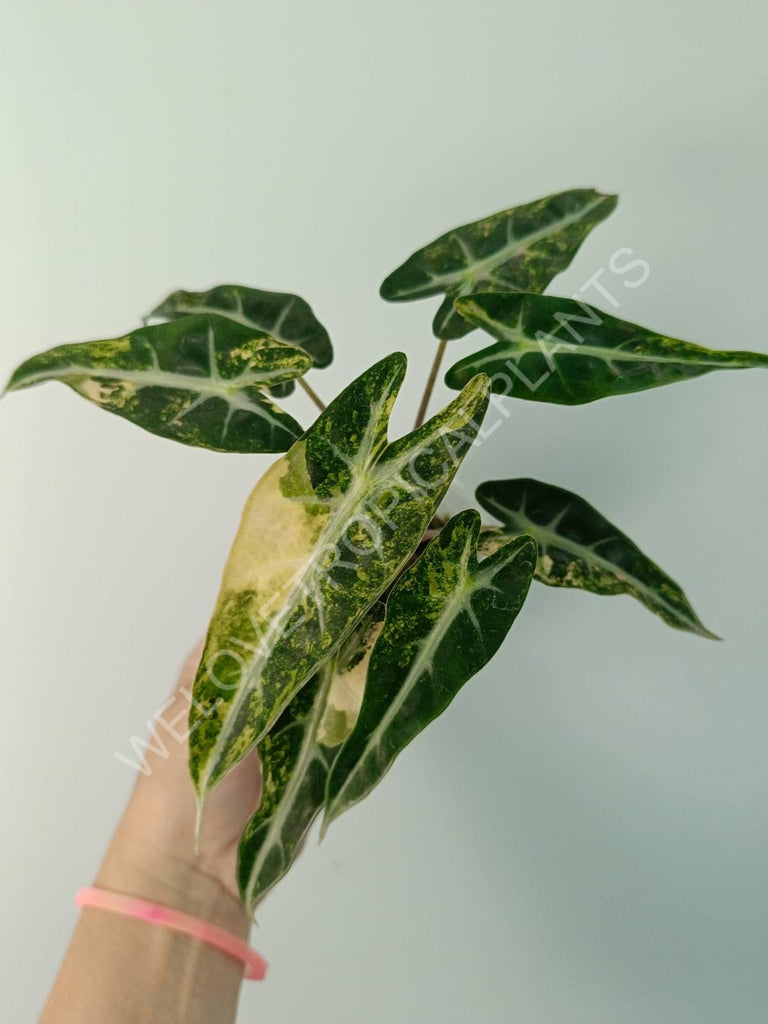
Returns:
point(126, 971)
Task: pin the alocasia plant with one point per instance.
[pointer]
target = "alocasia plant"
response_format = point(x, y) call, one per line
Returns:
point(350, 611)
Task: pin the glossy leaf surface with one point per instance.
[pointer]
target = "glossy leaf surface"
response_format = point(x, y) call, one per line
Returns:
point(551, 349)
point(199, 380)
point(520, 249)
point(578, 547)
point(282, 315)
point(446, 617)
point(296, 756)
point(323, 534)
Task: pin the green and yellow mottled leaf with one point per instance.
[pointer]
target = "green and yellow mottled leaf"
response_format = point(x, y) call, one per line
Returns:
point(521, 249)
point(296, 756)
point(446, 617)
point(580, 548)
point(284, 316)
point(550, 349)
point(324, 533)
point(199, 380)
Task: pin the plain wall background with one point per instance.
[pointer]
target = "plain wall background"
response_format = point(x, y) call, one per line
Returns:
point(582, 837)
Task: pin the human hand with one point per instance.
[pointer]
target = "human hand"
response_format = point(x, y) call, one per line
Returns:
point(153, 854)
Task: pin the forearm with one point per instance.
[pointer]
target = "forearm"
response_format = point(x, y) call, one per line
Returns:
point(125, 971)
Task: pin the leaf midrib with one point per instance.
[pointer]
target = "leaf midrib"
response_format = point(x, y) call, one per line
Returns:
point(309, 752)
point(215, 386)
point(557, 540)
point(461, 597)
point(522, 345)
point(245, 321)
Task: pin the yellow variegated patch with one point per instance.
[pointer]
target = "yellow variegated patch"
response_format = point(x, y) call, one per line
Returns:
point(322, 536)
point(345, 695)
point(200, 380)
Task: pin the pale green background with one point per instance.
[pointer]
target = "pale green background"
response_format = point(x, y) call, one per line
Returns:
point(583, 837)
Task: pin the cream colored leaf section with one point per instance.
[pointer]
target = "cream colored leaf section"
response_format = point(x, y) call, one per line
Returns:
point(295, 758)
point(323, 535)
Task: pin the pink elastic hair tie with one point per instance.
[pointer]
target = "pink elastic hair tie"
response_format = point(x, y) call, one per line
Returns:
point(255, 966)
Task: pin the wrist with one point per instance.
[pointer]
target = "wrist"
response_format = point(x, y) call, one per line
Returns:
point(140, 862)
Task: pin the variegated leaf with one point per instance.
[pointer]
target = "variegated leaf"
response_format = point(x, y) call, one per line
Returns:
point(521, 249)
point(296, 756)
point(199, 380)
point(446, 617)
point(323, 534)
point(282, 315)
point(551, 349)
point(580, 548)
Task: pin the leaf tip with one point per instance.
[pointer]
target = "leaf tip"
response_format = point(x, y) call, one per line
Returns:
point(477, 388)
point(199, 803)
point(166, 308)
point(386, 289)
point(325, 824)
point(16, 380)
point(394, 366)
point(708, 634)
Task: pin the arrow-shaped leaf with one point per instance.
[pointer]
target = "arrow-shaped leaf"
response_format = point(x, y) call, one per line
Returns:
point(446, 617)
point(282, 315)
point(551, 349)
point(323, 534)
point(580, 548)
point(520, 249)
point(296, 756)
point(199, 380)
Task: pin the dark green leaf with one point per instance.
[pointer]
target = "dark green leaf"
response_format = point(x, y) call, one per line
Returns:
point(199, 380)
point(551, 349)
point(578, 547)
point(324, 533)
point(520, 249)
point(283, 390)
point(282, 315)
point(296, 756)
point(446, 617)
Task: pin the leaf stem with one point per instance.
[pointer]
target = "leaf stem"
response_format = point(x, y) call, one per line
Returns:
point(421, 415)
point(312, 394)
